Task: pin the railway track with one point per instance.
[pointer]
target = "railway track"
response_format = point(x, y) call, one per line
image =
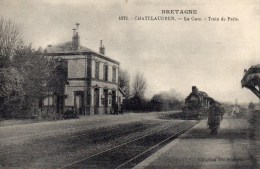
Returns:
point(19, 155)
point(88, 137)
point(130, 153)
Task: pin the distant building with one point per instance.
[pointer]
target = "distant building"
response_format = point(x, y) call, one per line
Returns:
point(91, 79)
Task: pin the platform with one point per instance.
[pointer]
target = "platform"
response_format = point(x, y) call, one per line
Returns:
point(234, 147)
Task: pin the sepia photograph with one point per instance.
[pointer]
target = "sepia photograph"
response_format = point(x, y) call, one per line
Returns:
point(120, 84)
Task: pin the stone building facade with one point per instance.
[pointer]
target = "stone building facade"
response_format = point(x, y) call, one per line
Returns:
point(92, 79)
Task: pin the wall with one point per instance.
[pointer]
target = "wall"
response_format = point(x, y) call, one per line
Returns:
point(76, 77)
point(74, 85)
point(101, 66)
point(76, 68)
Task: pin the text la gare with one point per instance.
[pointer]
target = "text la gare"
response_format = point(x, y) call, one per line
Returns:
point(191, 19)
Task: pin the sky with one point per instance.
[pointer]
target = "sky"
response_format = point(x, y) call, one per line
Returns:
point(211, 55)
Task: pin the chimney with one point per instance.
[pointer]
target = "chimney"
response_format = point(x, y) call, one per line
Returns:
point(75, 38)
point(245, 71)
point(101, 48)
point(195, 90)
point(74, 32)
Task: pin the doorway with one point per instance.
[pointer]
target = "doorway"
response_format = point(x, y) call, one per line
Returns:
point(113, 98)
point(96, 100)
point(105, 101)
point(79, 102)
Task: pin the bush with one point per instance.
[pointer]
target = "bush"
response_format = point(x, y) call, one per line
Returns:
point(11, 92)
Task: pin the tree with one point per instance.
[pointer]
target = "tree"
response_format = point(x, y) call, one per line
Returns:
point(11, 92)
point(165, 101)
point(157, 103)
point(139, 85)
point(58, 78)
point(11, 80)
point(10, 39)
point(25, 72)
point(137, 101)
point(135, 104)
point(36, 71)
point(124, 82)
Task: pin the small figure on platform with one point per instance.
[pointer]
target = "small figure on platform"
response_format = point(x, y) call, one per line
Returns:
point(222, 112)
point(116, 108)
point(121, 110)
point(235, 111)
point(215, 116)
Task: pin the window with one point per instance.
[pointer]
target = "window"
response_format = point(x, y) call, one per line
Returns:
point(119, 100)
point(97, 70)
point(114, 74)
point(62, 68)
point(105, 72)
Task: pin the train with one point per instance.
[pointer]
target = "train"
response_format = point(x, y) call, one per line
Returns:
point(197, 104)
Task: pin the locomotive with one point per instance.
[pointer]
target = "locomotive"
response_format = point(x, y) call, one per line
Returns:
point(197, 104)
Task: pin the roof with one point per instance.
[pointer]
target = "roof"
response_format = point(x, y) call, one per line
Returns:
point(66, 49)
point(251, 77)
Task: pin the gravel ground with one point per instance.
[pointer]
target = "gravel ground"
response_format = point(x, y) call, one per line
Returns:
point(54, 127)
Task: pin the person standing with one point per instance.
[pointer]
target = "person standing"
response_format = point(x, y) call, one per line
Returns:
point(121, 109)
point(214, 118)
point(116, 108)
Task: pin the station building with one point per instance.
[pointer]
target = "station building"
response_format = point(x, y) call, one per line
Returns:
point(91, 79)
